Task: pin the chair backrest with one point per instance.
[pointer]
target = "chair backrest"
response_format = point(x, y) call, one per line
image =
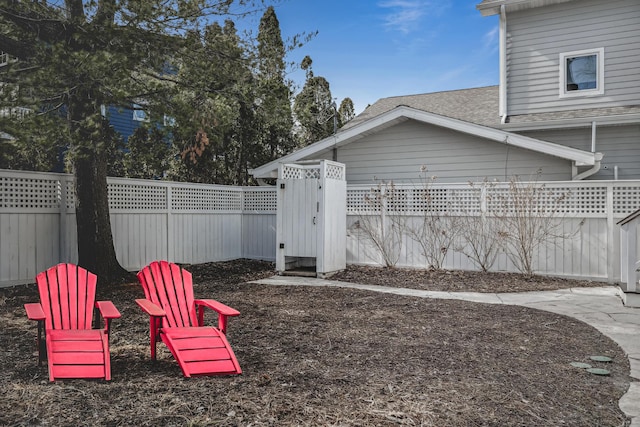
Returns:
point(171, 288)
point(67, 295)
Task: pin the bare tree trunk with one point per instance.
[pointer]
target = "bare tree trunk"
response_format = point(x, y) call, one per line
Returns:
point(96, 252)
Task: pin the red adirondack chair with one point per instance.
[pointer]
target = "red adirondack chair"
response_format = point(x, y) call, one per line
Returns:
point(72, 348)
point(177, 319)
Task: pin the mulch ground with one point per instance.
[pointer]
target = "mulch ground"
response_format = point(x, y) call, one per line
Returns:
point(330, 356)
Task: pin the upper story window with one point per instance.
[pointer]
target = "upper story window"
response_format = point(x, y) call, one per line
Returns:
point(582, 73)
point(5, 58)
point(139, 114)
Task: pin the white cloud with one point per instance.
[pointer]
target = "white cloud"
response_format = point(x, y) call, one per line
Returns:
point(405, 15)
point(490, 40)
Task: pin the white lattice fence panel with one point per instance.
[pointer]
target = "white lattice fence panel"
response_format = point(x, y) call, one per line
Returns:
point(585, 201)
point(411, 200)
point(260, 200)
point(206, 199)
point(335, 172)
point(360, 200)
point(300, 172)
point(32, 193)
point(136, 196)
point(548, 199)
point(448, 201)
point(69, 193)
point(396, 200)
point(626, 199)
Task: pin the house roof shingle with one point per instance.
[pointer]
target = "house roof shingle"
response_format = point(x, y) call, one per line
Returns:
point(477, 105)
point(481, 105)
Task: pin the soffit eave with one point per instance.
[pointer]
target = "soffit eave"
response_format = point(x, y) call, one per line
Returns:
point(488, 8)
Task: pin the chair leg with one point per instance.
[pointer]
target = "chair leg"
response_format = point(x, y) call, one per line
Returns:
point(153, 335)
point(41, 344)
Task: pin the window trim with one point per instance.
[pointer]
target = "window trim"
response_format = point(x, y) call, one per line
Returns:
point(598, 90)
point(137, 109)
point(6, 59)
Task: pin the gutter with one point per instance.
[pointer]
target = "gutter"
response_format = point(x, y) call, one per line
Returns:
point(581, 122)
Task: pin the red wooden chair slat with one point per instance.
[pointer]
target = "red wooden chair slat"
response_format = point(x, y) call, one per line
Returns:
point(220, 366)
point(172, 288)
point(67, 299)
point(80, 371)
point(176, 320)
point(203, 354)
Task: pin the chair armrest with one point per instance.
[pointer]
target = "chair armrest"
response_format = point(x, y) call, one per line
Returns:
point(217, 306)
point(223, 311)
point(34, 311)
point(150, 308)
point(108, 310)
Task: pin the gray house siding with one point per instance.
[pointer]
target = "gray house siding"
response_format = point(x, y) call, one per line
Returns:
point(397, 154)
point(619, 144)
point(536, 37)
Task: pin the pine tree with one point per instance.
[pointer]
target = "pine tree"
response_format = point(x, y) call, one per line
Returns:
point(314, 107)
point(346, 112)
point(76, 56)
point(274, 93)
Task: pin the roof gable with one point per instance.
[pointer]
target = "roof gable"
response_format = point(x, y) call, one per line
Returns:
point(402, 113)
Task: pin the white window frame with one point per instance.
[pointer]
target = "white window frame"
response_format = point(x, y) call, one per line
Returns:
point(139, 113)
point(169, 121)
point(598, 90)
point(5, 58)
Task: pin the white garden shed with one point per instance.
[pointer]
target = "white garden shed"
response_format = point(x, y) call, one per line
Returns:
point(311, 218)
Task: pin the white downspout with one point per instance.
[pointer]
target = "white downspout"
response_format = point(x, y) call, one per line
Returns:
point(502, 91)
point(593, 170)
point(596, 166)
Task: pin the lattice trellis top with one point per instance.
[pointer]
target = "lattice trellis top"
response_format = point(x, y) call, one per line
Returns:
point(313, 171)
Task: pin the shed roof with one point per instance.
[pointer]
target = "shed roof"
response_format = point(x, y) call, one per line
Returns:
point(398, 114)
point(477, 105)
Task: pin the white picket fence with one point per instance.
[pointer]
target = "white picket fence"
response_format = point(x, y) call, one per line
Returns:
point(194, 223)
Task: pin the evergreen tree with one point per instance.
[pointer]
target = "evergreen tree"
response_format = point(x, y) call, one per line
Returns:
point(78, 55)
point(274, 94)
point(346, 112)
point(314, 107)
point(215, 116)
point(148, 154)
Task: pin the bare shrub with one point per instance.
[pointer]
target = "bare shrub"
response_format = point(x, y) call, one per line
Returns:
point(480, 235)
point(382, 222)
point(436, 228)
point(530, 215)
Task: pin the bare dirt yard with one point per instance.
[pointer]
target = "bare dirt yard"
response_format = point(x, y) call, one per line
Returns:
point(333, 357)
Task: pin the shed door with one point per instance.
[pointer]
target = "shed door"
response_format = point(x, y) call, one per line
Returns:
point(299, 217)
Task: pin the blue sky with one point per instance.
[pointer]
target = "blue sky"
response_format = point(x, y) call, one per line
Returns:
point(371, 49)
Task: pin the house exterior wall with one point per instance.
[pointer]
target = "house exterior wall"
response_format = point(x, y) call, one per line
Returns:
point(398, 153)
point(122, 121)
point(537, 36)
point(619, 144)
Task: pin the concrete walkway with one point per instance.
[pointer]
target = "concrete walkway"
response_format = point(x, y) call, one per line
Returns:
point(599, 307)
